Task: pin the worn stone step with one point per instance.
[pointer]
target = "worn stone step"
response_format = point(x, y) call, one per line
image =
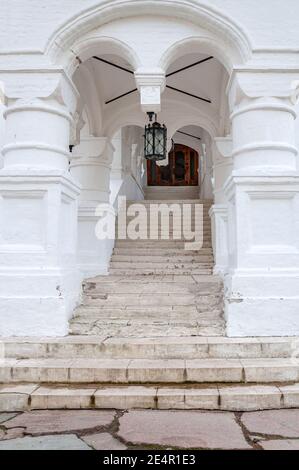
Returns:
point(136, 330)
point(94, 309)
point(156, 271)
point(158, 300)
point(163, 264)
point(206, 202)
point(155, 348)
point(139, 258)
point(153, 244)
point(27, 397)
point(198, 280)
point(149, 370)
point(151, 288)
point(201, 218)
point(153, 252)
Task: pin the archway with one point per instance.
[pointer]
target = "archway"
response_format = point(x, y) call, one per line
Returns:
point(181, 170)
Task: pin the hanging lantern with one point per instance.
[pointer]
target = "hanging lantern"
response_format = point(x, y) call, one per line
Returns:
point(155, 140)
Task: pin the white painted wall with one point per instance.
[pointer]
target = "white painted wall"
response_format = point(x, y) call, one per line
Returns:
point(43, 43)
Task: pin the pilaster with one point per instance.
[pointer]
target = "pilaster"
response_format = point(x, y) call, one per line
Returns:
point(263, 202)
point(39, 282)
point(91, 166)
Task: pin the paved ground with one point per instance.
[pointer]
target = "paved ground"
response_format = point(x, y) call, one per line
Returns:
point(146, 429)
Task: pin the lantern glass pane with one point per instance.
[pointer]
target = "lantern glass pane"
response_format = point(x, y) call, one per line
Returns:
point(159, 141)
point(149, 141)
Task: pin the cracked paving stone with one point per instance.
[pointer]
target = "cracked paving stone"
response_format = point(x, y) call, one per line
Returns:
point(103, 441)
point(12, 434)
point(281, 444)
point(272, 422)
point(37, 422)
point(58, 442)
point(183, 429)
point(6, 416)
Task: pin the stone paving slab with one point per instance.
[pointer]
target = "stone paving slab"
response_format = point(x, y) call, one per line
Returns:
point(45, 422)
point(281, 444)
point(103, 441)
point(183, 429)
point(150, 429)
point(6, 416)
point(58, 442)
point(273, 422)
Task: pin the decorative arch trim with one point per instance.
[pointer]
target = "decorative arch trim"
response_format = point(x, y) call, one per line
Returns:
point(231, 34)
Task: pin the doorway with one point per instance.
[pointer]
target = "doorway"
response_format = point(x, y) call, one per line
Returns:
point(182, 168)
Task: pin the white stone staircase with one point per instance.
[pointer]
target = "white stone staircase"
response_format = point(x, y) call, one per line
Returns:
point(215, 373)
point(155, 287)
point(151, 335)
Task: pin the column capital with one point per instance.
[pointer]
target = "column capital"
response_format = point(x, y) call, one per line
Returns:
point(93, 150)
point(24, 87)
point(151, 84)
point(255, 84)
point(224, 146)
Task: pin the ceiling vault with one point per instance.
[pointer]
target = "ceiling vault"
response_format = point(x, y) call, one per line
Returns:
point(168, 75)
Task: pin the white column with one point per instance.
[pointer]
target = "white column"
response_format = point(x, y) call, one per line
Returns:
point(263, 194)
point(39, 282)
point(117, 167)
point(91, 165)
point(2, 123)
point(222, 168)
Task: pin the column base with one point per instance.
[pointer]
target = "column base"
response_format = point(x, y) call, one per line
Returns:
point(39, 279)
point(262, 304)
point(40, 301)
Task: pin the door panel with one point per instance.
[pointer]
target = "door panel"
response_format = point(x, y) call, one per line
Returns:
point(182, 168)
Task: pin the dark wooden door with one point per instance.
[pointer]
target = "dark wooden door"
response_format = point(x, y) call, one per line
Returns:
point(182, 169)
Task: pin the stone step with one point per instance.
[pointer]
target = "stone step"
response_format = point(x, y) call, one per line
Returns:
point(173, 222)
point(168, 215)
point(205, 202)
point(72, 347)
point(156, 235)
point(34, 396)
point(156, 271)
point(163, 265)
point(144, 309)
point(169, 236)
point(198, 280)
point(157, 244)
point(129, 318)
point(137, 330)
point(151, 288)
point(146, 371)
point(138, 259)
point(163, 240)
point(161, 251)
point(158, 300)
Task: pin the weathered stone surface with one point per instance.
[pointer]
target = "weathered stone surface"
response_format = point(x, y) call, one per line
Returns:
point(281, 444)
point(61, 397)
point(6, 416)
point(185, 429)
point(59, 442)
point(103, 441)
point(290, 395)
point(123, 304)
point(125, 397)
point(251, 397)
point(273, 422)
point(37, 422)
point(12, 433)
